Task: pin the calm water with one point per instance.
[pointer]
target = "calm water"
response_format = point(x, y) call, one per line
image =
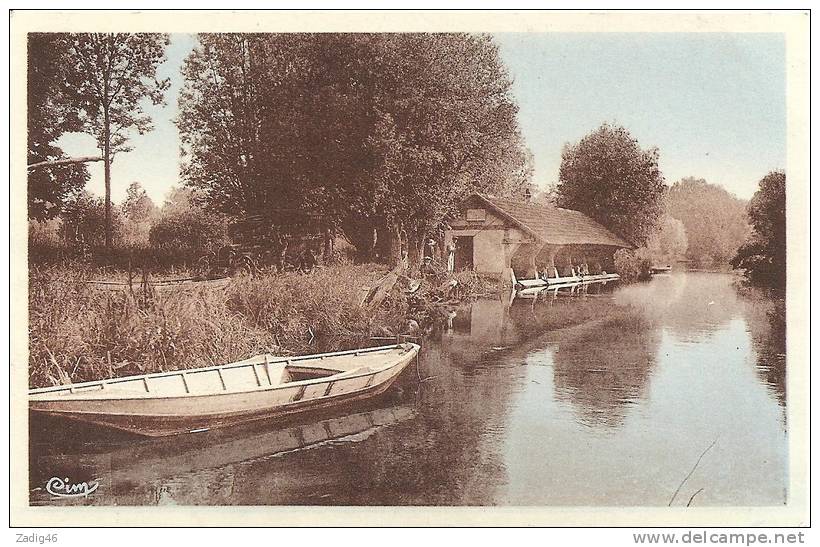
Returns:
point(607, 397)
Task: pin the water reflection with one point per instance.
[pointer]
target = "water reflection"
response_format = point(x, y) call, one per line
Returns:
point(766, 320)
point(134, 469)
point(605, 396)
point(604, 368)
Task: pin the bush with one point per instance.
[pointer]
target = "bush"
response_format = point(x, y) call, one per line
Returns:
point(83, 222)
point(191, 229)
point(633, 265)
point(760, 267)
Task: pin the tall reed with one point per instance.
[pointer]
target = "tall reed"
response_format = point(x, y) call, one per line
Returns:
point(79, 333)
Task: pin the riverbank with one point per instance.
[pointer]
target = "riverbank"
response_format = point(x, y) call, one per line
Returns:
point(78, 332)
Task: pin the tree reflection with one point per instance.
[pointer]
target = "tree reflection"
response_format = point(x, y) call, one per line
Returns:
point(766, 320)
point(552, 312)
point(693, 306)
point(604, 367)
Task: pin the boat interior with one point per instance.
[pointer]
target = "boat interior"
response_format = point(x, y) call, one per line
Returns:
point(257, 372)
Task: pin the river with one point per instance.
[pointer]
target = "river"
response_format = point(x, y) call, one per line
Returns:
point(668, 392)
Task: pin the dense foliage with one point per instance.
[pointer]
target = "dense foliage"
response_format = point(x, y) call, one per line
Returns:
point(184, 225)
point(49, 116)
point(83, 222)
point(763, 255)
point(715, 220)
point(633, 264)
point(610, 178)
point(375, 135)
point(668, 242)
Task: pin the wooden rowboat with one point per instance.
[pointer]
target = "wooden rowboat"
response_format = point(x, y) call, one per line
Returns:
point(191, 400)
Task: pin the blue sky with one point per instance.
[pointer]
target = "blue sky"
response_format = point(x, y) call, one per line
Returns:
point(714, 104)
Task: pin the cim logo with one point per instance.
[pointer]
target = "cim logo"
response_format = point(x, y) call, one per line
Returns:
point(64, 488)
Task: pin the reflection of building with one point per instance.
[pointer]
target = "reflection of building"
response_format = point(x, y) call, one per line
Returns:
point(497, 237)
point(480, 326)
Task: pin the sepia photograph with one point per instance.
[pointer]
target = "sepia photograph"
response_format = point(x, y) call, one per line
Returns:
point(298, 261)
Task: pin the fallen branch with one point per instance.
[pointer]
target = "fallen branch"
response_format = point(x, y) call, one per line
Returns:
point(380, 291)
point(686, 478)
point(64, 161)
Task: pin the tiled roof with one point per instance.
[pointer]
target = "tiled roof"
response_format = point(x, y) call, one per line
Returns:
point(552, 224)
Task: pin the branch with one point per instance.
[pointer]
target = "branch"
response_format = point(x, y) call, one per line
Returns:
point(686, 478)
point(66, 161)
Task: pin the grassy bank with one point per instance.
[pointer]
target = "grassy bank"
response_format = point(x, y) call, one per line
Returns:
point(79, 333)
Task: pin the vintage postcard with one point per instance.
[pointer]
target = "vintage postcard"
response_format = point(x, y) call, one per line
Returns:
point(409, 268)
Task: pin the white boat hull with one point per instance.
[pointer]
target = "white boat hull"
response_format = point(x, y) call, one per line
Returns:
point(197, 399)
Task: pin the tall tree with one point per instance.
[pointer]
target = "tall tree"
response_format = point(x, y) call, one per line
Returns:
point(446, 126)
point(609, 177)
point(110, 76)
point(668, 242)
point(763, 255)
point(137, 206)
point(715, 220)
point(49, 116)
point(370, 133)
point(139, 213)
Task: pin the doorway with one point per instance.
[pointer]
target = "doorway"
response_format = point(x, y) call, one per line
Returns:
point(463, 259)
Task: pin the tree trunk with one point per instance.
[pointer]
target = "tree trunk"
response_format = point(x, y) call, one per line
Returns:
point(107, 160)
point(383, 242)
point(415, 250)
point(327, 252)
point(366, 246)
point(396, 244)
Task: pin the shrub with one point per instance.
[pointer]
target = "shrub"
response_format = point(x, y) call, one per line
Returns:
point(191, 229)
point(83, 222)
point(633, 265)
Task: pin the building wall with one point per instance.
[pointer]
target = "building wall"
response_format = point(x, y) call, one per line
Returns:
point(494, 242)
point(500, 248)
point(488, 250)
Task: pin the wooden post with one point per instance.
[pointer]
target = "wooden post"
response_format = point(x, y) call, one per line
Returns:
point(267, 370)
point(533, 267)
point(551, 269)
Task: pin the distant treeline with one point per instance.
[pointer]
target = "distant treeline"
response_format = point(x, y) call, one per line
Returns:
point(715, 221)
point(177, 233)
